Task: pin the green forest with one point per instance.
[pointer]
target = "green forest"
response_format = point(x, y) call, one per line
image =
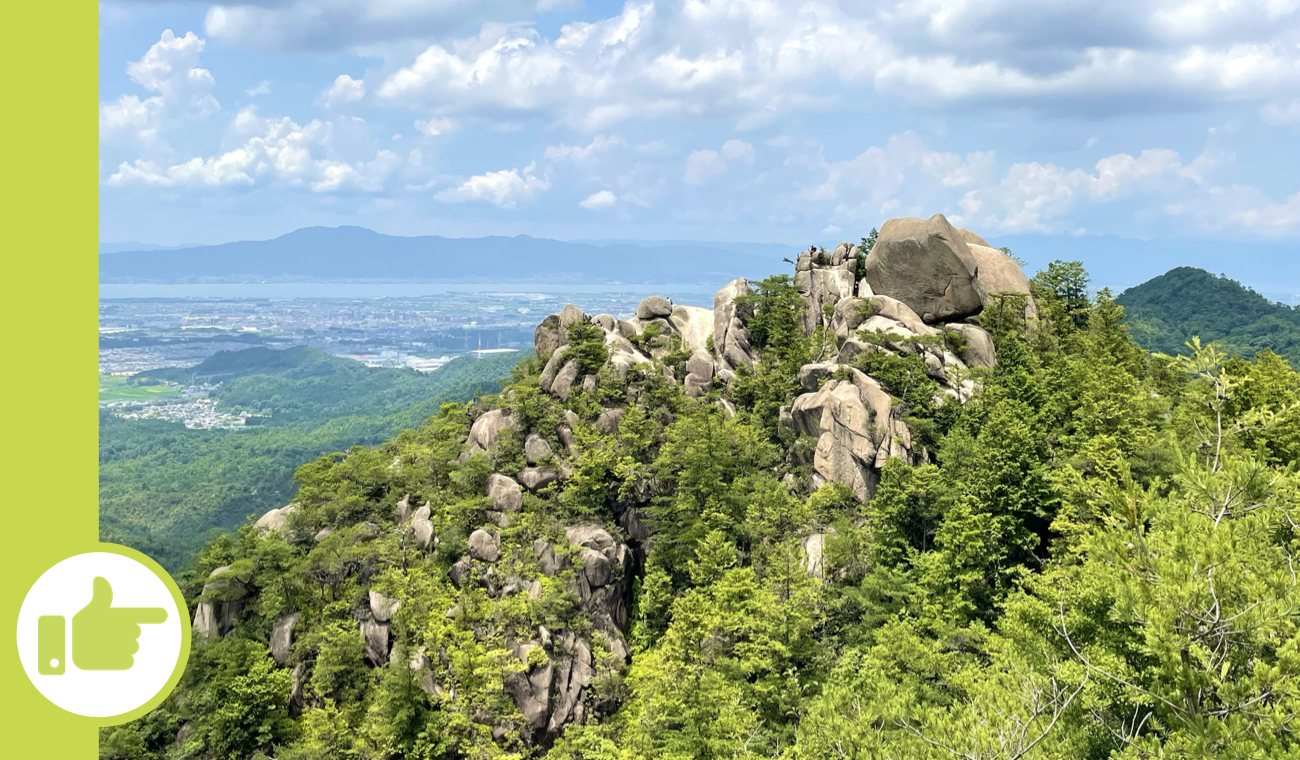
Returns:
point(167, 490)
point(1092, 556)
point(1167, 311)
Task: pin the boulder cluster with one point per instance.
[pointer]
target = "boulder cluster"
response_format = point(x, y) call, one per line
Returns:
point(914, 295)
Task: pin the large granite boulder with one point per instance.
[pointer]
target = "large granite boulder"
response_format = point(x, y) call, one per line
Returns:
point(422, 527)
point(999, 274)
point(221, 604)
point(483, 433)
point(926, 264)
point(484, 546)
point(382, 608)
point(531, 688)
point(274, 520)
point(536, 448)
point(376, 637)
point(693, 325)
point(654, 307)
point(730, 335)
point(282, 637)
point(980, 351)
point(823, 279)
point(505, 493)
point(548, 337)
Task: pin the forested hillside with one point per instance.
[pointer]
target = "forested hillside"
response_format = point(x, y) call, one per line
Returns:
point(1167, 311)
point(857, 513)
point(166, 490)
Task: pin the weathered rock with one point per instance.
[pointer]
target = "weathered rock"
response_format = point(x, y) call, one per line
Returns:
point(631, 522)
point(1000, 274)
point(605, 321)
point(927, 265)
point(693, 325)
point(274, 520)
point(897, 311)
point(596, 567)
point(483, 433)
point(567, 439)
point(484, 546)
point(549, 562)
point(562, 386)
point(460, 570)
point(608, 421)
point(813, 547)
point(573, 675)
point(571, 315)
point(548, 337)
point(531, 691)
point(323, 534)
point(376, 635)
point(183, 734)
point(551, 369)
point(811, 376)
point(382, 607)
point(589, 383)
point(536, 448)
point(222, 603)
point(591, 537)
point(282, 637)
point(653, 307)
point(730, 336)
point(403, 509)
point(822, 285)
point(971, 238)
point(537, 478)
point(504, 492)
point(980, 351)
point(422, 527)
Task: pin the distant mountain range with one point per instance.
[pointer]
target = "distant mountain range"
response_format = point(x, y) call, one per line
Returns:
point(316, 254)
point(355, 253)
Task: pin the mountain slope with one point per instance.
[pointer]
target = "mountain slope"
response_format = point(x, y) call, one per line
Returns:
point(1167, 311)
point(165, 489)
point(342, 253)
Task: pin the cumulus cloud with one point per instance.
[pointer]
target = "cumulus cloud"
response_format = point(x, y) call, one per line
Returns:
point(435, 126)
point(598, 144)
point(754, 61)
point(599, 200)
point(504, 188)
point(262, 88)
point(170, 68)
point(706, 165)
point(344, 89)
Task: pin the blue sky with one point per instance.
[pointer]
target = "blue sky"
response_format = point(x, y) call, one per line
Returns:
point(734, 120)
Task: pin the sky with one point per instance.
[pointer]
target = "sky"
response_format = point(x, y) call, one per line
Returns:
point(735, 120)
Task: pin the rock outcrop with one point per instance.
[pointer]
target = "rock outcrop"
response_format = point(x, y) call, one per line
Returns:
point(926, 264)
point(282, 637)
point(823, 279)
point(222, 602)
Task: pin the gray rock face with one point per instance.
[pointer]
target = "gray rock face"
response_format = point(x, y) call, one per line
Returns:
point(927, 265)
point(484, 546)
point(422, 527)
point(549, 562)
point(282, 637)
point(323, 534)
point(1000, 274)
point(813, 547)
point(571, 315)
point(382, 607)
point(548, 337)
point(376, 635)
point(531, 688)
point(505, 493)
point(562, 386)
point(459, 572)
point(274, 520)
point(222, 605)
point(811, 376)
point(980, 351)
point(536, 448)
point(856, 428)
point(823, 282)
point(730, 336)
point(654, 307)
point(403, 509)
point(573, 675)
point(608, 421)
point(537, 478)
point(596, 567)
point(693, 325)
point(971, 238)
point(483, 433)
point(591, 537)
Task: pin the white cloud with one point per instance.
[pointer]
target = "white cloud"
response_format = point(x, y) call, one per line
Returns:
point(599, 200)
point(737, 150)
point(280, 152)
point(170, 69)
point(344, 89)
point(262, 88)
point(503, 188)
point(599, 144)
point(435, 126)
point(757, 60)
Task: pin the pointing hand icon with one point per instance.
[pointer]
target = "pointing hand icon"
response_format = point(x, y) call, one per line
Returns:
point(105, 637)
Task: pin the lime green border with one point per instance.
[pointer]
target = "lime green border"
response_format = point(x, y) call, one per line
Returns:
point(49, 214)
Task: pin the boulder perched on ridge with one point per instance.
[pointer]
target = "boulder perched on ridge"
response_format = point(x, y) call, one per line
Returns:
point(926, 264)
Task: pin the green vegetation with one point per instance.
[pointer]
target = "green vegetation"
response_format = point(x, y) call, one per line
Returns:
point(117, 388)
point(1167, 311)
point(1097, 561)
point(166, 490)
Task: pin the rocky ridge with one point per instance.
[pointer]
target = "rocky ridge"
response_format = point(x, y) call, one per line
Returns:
point(915, 294)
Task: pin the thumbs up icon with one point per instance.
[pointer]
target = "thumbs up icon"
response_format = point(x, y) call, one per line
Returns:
point(104, 637)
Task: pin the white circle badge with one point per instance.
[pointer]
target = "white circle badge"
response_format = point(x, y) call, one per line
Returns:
point(103, 635)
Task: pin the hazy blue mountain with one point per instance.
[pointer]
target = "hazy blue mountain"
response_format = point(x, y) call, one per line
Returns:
point(355, 253)
point(133, 246)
